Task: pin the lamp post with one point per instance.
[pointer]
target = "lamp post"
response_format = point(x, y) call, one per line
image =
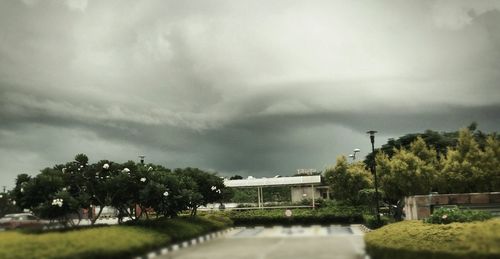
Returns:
point(353, 155)
point(374, 171)
point(142, 158)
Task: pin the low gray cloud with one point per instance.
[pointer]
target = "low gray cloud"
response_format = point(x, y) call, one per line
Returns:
point(247, 87)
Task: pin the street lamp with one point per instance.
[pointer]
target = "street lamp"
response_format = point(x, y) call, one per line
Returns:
point(353, 155)
point(142, 158)
point(374, 171)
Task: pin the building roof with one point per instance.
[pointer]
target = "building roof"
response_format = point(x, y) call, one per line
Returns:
point(281, 181)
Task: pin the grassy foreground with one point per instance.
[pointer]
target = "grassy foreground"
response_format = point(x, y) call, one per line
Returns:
point(415, 239)
point(106, 242)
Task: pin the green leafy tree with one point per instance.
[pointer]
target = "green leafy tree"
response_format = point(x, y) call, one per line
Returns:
point(7, 204)
point(346, 180)
point(81, 159)
point(439, 141)
point(60, 206)
point(32, 193)
point(409, 172)
point(467, 168)
point(181, 192)
point(209, 188)
point(491, 163)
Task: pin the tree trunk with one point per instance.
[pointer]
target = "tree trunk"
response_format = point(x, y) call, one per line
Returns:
point(194, 211)
point(92, 221)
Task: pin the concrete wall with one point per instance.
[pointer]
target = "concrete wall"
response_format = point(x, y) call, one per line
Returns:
point(420, 206)
point(298, 193)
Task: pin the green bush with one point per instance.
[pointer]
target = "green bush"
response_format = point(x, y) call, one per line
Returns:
point(372, 223)
point(328, 215)
point(454, 214)
point(416, 239)
point(123, 241)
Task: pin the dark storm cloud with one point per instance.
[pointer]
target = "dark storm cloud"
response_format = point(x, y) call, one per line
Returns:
point(247, 87)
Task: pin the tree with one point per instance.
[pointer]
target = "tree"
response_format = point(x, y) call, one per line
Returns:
point(59, 207)
point(32, 193)
point(47, 195)
point(82, 159)
point(346, 180)
point(61, 191)
point(491, 163)
point(409, 172)
point(7, 204)
point(440, 141)
point(209, 187)
point(467, 168)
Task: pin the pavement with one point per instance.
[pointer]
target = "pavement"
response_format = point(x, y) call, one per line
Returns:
point(279, 242)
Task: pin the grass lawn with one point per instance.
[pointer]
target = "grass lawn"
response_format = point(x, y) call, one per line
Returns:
point(415, 239)
point(105, 242)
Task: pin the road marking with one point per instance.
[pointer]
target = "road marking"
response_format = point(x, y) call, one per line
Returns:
point(295, 231)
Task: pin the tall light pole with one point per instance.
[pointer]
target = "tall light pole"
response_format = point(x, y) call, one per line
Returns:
point(374, 171)
point(142, 158)
point(353, 155)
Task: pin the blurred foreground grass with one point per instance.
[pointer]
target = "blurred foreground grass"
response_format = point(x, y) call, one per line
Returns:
point(416, 239)
point(105, 242)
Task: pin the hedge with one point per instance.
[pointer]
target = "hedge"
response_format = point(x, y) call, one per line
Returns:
point(119, 241)
point(329, 215)
point(454, 214)
point(416, 239)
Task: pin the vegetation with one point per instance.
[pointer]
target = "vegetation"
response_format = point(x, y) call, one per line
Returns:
point(471, 164)
point(7, 205)
point(440, 141)
point(409, 172)
point(371, 221)
point(122, 241)
point(60, 192)
point(270, 194)
point(347, 180)
point(464, 161)
point(454, 214)
point(416, 239)
point(470, 168)
point(327, 215)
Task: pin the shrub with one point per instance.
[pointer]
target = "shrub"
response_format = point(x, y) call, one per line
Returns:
point(182, 228)
point(454, 214)
point(328, 215)
point(416, 239)
point(372, 223)
point(123, 241)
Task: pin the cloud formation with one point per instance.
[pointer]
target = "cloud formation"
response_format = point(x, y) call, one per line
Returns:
point(248, 87)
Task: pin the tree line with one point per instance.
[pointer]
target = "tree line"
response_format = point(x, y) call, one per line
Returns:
point(65, 189)
point(468, 162)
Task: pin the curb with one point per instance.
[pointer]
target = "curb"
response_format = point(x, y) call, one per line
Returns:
point(185, 244)
point(364, 228)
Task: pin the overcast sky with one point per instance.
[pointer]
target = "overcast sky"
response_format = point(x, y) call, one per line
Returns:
point(240, 87)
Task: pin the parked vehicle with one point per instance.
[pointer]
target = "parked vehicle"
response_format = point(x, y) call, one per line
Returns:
point(21, 220)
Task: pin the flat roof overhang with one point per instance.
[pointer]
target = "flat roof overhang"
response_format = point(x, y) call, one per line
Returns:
point(281, 181)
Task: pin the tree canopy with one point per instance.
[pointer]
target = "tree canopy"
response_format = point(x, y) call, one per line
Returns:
point(347, 180)
point(65, 189)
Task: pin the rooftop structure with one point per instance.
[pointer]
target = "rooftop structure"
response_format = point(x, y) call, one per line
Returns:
point(281, 181)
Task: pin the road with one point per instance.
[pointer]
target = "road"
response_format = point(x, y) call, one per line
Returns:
point(280, 243)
